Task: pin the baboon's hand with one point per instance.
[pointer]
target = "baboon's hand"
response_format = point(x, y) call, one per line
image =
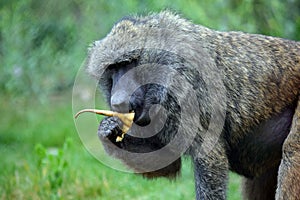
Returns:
point(110, 128)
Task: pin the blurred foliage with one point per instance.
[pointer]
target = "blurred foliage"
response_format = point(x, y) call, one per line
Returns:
point(43, 43)
point(52, 166)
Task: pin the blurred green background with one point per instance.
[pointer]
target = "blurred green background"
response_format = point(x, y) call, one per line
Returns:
point(42, 46)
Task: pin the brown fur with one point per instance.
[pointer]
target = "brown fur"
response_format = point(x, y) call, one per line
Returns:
point(289, 171)
point(261, 75)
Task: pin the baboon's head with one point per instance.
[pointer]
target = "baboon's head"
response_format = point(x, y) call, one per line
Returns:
point(148, 65)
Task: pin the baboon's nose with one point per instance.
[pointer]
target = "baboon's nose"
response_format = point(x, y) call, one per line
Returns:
point(120, 102)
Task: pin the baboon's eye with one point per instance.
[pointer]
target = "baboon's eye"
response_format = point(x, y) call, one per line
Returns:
point(122, 64)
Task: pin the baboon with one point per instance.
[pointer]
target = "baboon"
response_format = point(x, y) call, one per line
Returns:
point(258, 76)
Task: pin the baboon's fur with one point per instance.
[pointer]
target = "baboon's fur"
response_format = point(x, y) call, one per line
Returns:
point(261, 75)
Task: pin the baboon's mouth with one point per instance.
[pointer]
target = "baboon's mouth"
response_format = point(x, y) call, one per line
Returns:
point(141, 117)
point(124, 123)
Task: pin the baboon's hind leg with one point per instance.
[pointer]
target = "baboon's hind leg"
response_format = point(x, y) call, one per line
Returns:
point(289, 170)
point(262, 187)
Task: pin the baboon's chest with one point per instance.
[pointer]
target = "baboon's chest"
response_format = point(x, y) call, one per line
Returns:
point(261, 147)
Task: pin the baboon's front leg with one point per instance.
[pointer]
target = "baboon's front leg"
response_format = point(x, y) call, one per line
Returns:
point(289, 170)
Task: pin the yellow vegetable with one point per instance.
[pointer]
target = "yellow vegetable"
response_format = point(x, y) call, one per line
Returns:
point(126, 118)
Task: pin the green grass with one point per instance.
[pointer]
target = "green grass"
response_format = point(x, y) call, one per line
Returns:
point(42, 157)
